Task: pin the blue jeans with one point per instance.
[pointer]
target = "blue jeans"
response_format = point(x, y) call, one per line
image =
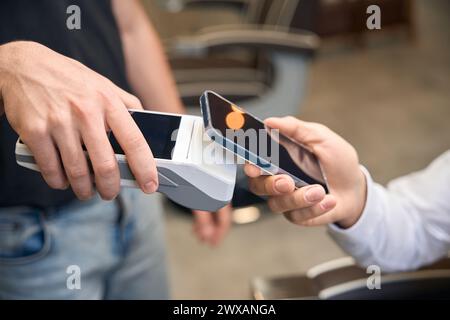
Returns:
point(89, 250)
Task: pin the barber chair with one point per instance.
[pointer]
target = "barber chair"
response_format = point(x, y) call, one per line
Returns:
point(342, 279)
point(256, 53)
point(259, 60)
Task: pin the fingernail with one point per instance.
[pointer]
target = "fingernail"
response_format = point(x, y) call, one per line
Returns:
point(150, 187)
point(282, 185)
point(328, 204)
point(314, 194)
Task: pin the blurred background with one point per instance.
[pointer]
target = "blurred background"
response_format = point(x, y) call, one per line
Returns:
point(386, 91)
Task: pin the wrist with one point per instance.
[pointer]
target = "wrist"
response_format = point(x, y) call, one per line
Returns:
point(9, 62)
point(5, 59)
point(13, 54)
point(10, 59)
point(5, 64)
point(358, 202)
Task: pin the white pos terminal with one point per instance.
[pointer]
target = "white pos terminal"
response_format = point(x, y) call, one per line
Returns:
point(178, 144)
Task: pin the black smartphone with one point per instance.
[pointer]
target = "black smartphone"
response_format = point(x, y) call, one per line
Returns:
point(247, 137)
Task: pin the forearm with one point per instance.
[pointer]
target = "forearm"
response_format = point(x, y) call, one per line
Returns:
point(2, 78)
point(401, 226)
point(147, 68)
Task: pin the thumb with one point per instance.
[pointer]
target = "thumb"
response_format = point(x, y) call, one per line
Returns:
point(307, 133)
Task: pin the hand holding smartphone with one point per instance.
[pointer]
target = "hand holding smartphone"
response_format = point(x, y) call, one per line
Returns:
point(248, 138)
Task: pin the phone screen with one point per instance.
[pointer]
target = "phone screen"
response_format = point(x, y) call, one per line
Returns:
point(291, 157)
point(158, 131)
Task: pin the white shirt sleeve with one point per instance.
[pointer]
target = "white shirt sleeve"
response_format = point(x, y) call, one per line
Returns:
point(405, 225)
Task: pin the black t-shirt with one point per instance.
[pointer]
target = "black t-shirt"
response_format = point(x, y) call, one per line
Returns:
point(97, 45)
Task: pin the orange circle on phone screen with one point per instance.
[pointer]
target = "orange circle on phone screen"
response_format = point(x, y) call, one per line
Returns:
point(235, 120)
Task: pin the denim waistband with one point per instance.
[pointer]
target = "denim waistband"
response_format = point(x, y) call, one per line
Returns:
point(54, 210)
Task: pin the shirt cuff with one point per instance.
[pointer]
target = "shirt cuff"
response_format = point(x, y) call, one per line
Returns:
point(363, 229)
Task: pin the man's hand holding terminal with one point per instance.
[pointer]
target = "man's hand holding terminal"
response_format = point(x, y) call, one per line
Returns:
point(57, 105)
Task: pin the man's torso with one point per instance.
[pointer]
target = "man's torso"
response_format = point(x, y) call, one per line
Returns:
point(96, 44)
